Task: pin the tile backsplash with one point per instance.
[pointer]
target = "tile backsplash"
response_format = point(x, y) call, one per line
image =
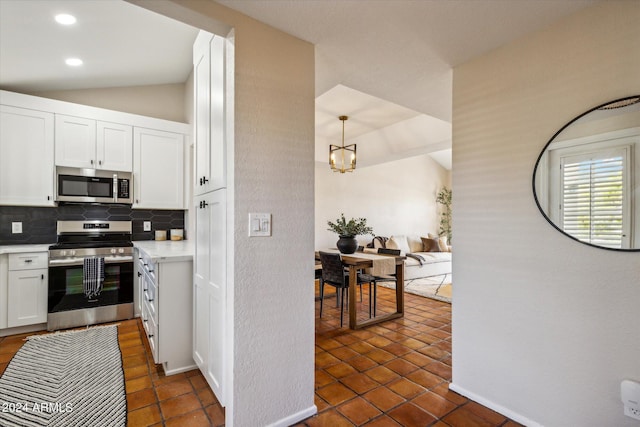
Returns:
point(39, 224)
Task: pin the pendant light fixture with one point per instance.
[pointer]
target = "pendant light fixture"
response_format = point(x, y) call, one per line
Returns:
point(342, 159)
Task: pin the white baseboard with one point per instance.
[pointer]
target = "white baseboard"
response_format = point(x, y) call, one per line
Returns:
point(492, 405)
point(294, 418)
point(23, 329)
point(179, 370)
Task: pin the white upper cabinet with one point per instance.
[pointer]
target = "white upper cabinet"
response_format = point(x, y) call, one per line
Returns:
point(26, 157)
point(87, 143)
point(158, 172)
point(114, 146)
point(209, 71)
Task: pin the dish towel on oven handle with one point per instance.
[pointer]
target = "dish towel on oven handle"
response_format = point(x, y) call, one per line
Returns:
point(93, 276)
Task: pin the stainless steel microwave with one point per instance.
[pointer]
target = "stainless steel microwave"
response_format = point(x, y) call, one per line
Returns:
point(93, 186)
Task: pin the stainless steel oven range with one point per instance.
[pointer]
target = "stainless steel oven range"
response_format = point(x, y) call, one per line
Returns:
point(90, 274)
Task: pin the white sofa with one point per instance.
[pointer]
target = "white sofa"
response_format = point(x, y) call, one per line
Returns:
point(420, 262)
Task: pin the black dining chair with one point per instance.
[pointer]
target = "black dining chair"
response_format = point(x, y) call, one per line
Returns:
point(374, 280)
point(334, 274)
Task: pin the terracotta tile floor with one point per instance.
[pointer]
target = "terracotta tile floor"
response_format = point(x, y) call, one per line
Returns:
point(391, 374)
point(153, 399)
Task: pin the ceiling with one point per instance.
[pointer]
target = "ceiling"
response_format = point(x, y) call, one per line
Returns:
point(121, 45)
point(387, 64)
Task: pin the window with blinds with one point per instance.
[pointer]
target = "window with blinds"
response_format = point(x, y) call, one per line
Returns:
point(593, 197)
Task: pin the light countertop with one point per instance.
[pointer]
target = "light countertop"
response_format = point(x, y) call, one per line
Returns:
point(167, 250)
point(16, 249)
point(181, 250)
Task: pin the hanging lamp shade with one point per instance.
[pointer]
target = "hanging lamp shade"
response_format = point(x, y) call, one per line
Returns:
point(342, 158)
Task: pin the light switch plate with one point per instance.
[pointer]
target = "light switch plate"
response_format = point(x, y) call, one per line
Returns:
point(259, 224)
point(16, 227)
point(146, 225)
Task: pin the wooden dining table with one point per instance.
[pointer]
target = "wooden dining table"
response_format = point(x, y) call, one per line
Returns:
point(361, 260)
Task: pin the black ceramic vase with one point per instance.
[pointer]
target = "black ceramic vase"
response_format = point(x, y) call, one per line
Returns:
point(347, 244)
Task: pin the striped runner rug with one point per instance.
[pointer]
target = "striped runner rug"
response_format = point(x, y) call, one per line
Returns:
point(72, 378)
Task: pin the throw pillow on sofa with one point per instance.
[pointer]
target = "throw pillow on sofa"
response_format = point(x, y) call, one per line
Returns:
point(442, 241)
point(399, 242)
point(431, 245)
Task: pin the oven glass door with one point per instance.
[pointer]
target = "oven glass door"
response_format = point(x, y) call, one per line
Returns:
point(68, 287)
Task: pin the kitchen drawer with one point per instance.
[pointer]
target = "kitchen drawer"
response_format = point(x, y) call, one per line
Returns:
point(28, 261)
point(151, 329)
point(150, 297)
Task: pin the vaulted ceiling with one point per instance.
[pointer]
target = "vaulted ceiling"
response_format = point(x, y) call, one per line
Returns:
point(388, 64)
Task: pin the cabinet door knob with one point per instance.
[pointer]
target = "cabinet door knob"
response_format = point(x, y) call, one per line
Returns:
point(139, 274)
point(204, 204)
point(42, 277)
point(91, 161)
point(200, 181)
point(150, 336)
point(204, 180)
point(100, 162)
point(48, 197)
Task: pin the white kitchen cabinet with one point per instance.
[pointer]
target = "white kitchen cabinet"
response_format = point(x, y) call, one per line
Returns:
point(209, 292)
point(88, 143)
point(4, 277)
point(158, 169)
point(27, 289)
point(209, 108)
point(138, 283)
point(167, 311)
point(114, 146)
point(26, 157)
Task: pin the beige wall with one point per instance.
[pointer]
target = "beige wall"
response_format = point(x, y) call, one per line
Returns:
point(396, 198)
point(544, 328)
point(270, 170)
point(160, 101)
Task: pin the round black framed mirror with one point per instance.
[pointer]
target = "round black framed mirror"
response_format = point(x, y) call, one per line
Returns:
point(586, 181)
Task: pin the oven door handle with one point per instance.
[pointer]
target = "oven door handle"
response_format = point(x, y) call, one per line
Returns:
point(65, 262)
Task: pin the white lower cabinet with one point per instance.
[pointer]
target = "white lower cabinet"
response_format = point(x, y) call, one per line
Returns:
point(209, 293)
point(27, 289)
point(166, 311)
point(4, 276)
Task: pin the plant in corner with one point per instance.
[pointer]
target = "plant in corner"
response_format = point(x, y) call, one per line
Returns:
point(348, 230)
point(444, 198)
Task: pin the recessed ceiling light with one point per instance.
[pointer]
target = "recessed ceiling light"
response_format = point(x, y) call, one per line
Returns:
point(73, 62)
point(65, 19)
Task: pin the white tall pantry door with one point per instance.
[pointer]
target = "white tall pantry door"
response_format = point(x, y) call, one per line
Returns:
point(211, 335)
point(209, 297)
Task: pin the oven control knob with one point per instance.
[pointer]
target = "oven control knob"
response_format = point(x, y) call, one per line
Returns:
point(121, 250)
point(113, 250)
point(63, 253)
point(72, 252)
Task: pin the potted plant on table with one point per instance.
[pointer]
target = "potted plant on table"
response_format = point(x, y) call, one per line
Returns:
point(348, 230)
